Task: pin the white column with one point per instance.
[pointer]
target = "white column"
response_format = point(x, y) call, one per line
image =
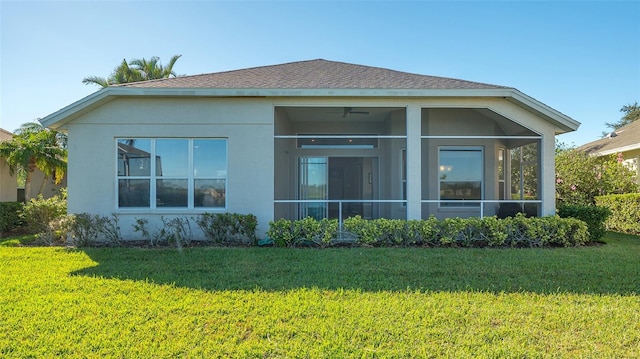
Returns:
point(548, 174)
point(414, 162)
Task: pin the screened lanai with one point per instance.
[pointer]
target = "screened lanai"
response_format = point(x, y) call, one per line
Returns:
point(338, 162)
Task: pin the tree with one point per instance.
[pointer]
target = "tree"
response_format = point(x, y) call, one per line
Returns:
point(34, 146)
point(631, 113)
point(134, 71)
point(580, 177)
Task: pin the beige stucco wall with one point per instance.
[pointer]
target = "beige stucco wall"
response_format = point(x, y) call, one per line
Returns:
point(632, 160)
point(50, 188)
point(248, 124)
point(8, 184)
point(247, 127)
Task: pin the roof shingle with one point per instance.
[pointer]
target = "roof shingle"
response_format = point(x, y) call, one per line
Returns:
point(626, 136)
point(313, 74)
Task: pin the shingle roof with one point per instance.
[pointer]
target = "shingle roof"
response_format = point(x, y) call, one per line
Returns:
point(313, 74)
point(626, 137)
point(5, 135)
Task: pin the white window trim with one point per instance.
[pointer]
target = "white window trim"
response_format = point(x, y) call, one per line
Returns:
point(153, 178)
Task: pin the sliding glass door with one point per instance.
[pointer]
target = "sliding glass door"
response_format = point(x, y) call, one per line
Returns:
point(347, 182)
point(313, 181)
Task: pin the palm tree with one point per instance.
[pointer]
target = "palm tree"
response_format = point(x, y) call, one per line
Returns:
point(34, 146)
point(134, 71)
point(153, 69)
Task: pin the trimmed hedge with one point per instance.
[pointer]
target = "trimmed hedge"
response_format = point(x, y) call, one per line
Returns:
point(10, 216)
point(518, 231)
point(625, 212)
point(593, 216)
point(303, 232)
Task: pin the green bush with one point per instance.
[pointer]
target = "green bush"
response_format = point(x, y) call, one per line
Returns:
point(281, 232)
point(10, 216)
point(581, 177)
point(46, 217)
point(518, 231)
point(228, 228)
point(304, 232)
point(593, 216)
point(85, 229)
point(625, 212)
point(174, 231)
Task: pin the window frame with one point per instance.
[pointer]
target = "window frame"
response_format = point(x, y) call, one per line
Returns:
point(502, 177)
point(403, 175)
point(153, 177)
point(457, 204)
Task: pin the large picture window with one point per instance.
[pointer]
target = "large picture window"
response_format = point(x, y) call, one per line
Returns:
point(460, 176)
point(184, 173)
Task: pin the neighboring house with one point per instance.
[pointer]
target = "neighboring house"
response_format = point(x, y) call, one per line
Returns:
point(312, 138)
point(625, 140)
point(8, 183)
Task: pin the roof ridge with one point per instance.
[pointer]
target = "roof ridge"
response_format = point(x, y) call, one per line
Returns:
point(215, 73)
point(319, 61)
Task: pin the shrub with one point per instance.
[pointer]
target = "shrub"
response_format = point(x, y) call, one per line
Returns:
point(309, 231)
point(174, 231)
point(228, 228)
point(625, 212)
point(518, 231)
point(545, 231)
point(580, 177)
point(593, 216)
point(304, 232)
point(422, 232)
point(281, 232)
point(10, 216)
point(381, 232)
point(46, 217)
point(85, 229)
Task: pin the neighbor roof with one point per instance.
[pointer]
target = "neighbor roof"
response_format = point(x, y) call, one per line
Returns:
point(623, 139)
point(313, 74)
point(5, 135)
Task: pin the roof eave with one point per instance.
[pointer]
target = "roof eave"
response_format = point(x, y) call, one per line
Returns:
point(563, 122)
point(55, 120)
point(632, 147)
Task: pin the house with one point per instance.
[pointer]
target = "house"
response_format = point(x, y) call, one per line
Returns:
point(9, 191)
point(8, 182)
point(625, 140)
point(311, 138)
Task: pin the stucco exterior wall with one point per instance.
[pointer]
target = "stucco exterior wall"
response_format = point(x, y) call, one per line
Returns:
point(8, 184)
point(247, 126)
point(632, 161)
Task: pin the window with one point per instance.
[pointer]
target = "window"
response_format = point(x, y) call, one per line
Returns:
point(460, 176)
point(184, 173)
point(403, 174)
point(501, 173)
point(524, 171)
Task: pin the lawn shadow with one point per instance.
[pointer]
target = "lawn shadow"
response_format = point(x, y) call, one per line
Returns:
point(610, 269)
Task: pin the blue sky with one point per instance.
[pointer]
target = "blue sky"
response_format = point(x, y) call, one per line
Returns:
point(581, 58)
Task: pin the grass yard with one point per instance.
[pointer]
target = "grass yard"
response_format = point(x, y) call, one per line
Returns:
point(332, 303)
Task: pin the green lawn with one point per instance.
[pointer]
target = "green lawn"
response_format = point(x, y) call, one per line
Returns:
point(331, 303)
